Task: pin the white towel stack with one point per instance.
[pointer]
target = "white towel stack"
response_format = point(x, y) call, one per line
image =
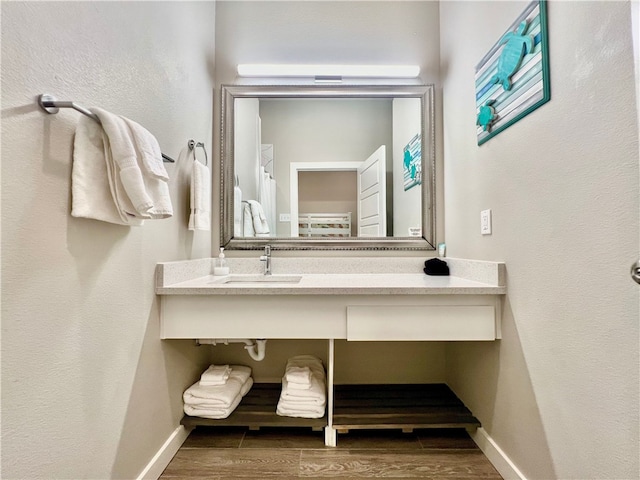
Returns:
point(217, 397)
point(118, 175)
point(303, 388)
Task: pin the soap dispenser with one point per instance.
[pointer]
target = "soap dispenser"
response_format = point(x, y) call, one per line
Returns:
point(221, 267)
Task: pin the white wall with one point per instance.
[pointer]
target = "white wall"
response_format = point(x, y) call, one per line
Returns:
point(88, 390)
point(407, 122)
point(320, 130)
point(246, 111)
point(559, 393)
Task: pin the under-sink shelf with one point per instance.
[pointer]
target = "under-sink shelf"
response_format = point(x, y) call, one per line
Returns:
point(405, 407)
point(258, 409)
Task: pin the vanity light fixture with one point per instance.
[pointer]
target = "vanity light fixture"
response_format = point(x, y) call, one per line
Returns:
point(329, 73)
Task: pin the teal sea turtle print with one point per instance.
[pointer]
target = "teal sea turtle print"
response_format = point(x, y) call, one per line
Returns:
point(487, 115)
point(517, 45)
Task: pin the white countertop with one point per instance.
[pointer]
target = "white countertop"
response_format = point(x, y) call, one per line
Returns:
point(338, 284)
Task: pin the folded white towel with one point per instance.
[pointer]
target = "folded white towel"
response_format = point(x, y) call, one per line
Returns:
point(313, 363)
point(200, 218)
point(150, 155)
point(260, 224)
point(315, 395)
point(92, 192)
point(298, 377)
point(212, 412)
point(218, 395)
point(215, 375)
point(287, 410)
point(247, 221)
point(217, 412)
point(126, 169)
point(154, 175)
point(237, 212)
point(304, 361)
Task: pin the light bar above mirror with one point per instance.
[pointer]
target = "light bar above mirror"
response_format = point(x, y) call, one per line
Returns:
point(343, 71)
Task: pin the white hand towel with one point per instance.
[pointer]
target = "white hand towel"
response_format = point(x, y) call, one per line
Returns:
point(93, 195)
point(260, 224)
point(200, 218)
point(313, 363)
point(247, 221)
point(298, 377)
point(215, 375)
point(154, 175)
point(151, 163)
point(124, 156)
point(237, 212)
point(218, 395)
point(304, 360)
point(316, 395)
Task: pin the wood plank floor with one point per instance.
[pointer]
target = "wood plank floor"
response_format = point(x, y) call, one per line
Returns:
point(224, 453)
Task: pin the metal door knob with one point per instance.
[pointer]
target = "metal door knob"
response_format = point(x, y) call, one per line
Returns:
point(635, 271)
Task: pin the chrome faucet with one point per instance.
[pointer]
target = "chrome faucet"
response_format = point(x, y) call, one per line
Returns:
point(266, 258)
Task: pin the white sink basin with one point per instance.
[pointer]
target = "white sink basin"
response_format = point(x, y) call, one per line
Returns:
point(252, 278)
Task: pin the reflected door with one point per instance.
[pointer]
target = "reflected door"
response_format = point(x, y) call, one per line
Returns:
point(372, 209)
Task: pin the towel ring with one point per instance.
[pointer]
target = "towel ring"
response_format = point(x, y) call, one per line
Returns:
point(193, 145)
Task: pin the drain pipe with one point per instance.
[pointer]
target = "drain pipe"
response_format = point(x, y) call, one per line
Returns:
point(255, 348)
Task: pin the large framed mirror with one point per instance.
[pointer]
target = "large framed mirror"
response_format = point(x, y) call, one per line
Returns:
point(328, 167)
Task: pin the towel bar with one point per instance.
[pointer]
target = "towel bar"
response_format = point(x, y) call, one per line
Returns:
point(50, 105)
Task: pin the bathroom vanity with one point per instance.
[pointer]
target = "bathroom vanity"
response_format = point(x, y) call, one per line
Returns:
point(366, 299)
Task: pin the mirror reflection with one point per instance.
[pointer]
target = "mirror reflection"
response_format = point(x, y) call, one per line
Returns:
point(326, 168)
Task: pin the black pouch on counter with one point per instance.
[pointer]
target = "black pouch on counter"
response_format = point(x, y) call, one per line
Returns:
point(435, 266)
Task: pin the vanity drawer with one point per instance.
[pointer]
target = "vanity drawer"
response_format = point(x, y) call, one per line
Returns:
point(421, 322)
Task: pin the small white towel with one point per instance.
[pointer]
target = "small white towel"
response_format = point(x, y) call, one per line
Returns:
point(237, 212)
point(218, 396)
point(311, 362)
point(126, 171)
point(150, 155)
point(215, 375)
point(260, 224)
point(298, 377)
point(200, 217)
point(316, 395)
point(247, 221)
point(154, 175)
point(92, 192)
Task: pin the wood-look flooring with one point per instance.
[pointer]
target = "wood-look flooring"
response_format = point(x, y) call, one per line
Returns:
point(223, 453)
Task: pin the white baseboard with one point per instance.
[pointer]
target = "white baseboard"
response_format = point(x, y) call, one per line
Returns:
point(496, 456)
point(161, 459)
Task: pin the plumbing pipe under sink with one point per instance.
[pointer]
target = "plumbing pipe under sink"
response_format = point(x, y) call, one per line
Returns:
point(255, 348)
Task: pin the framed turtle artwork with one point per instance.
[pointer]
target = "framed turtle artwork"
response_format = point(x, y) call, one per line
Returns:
point(512, 79)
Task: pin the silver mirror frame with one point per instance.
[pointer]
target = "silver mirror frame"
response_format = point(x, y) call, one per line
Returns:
point(230, 93)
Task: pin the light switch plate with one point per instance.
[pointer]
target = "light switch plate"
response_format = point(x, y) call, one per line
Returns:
point(485, 222)
point(285, 217)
